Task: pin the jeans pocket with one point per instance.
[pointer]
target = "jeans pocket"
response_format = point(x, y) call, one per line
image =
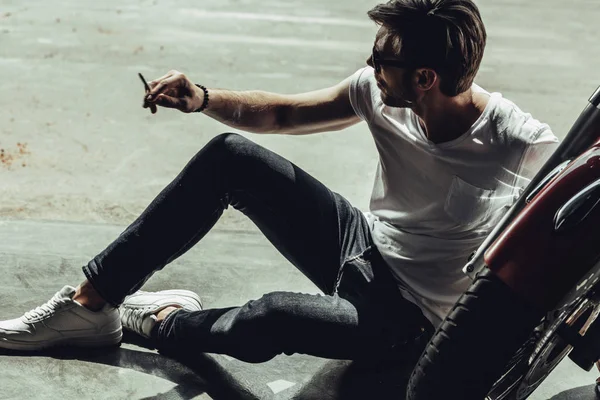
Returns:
point(356, 274)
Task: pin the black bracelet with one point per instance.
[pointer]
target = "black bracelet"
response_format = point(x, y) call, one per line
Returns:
point(205, 102)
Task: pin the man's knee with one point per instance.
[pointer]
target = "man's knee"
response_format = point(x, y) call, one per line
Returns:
point(220, 154)
point(230, 143)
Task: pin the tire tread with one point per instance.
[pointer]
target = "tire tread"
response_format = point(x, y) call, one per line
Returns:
point(471, 347)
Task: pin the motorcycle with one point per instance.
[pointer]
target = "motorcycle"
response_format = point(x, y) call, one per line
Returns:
point(535, 295)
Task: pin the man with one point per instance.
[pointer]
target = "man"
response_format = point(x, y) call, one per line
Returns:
point(453, 158)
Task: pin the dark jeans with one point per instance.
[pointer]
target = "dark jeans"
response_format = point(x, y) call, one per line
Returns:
point(362, 315)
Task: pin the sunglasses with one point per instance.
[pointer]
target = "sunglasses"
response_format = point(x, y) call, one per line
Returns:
point(378, 61)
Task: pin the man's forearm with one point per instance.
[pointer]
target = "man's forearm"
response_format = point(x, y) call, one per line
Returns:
point(252, 111)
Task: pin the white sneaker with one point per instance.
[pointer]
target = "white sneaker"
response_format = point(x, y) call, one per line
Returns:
point(138, 310)
point(62, 321)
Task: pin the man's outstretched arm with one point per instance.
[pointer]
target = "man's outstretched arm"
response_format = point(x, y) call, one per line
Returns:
point(259, 111)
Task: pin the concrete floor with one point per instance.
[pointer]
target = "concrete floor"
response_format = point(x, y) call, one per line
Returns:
point(83, 159)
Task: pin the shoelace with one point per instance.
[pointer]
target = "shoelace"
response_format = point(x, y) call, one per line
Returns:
point(134, 318)
point(45, 309)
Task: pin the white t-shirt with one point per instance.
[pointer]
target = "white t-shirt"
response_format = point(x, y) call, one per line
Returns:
point(433, 204)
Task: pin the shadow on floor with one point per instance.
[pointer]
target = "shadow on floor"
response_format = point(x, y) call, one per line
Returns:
point(347, 380)
point(192, 377)
point(195, 374)
point(579, 393)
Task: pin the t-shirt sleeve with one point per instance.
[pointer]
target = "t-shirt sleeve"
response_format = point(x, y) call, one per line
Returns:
point(539, 149)
point(362, 89)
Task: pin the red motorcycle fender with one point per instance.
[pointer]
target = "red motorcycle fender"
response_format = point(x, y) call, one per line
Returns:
point(540, 257)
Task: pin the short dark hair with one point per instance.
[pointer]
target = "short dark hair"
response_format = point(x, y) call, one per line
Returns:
point(445, 35)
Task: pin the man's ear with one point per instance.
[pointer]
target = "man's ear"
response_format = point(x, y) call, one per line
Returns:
point(426, 78)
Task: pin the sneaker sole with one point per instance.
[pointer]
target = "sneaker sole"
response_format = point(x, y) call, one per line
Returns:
point(104, 340)
point(179, 292)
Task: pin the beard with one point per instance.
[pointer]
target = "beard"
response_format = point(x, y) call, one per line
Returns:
point(397, 102)
point(401, 97)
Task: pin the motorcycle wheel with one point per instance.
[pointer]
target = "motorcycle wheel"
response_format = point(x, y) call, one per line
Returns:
point(487, 326)
point(545, 349)
point(493, 355)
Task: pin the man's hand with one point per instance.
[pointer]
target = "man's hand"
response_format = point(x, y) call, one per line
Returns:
point(174, 90)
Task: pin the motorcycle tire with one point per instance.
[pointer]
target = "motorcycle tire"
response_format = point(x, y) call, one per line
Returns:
point(468, 353)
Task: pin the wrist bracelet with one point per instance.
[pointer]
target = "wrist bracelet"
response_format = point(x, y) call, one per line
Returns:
point(205, 102)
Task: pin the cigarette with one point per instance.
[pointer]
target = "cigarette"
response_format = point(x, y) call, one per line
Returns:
point(145, 83)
